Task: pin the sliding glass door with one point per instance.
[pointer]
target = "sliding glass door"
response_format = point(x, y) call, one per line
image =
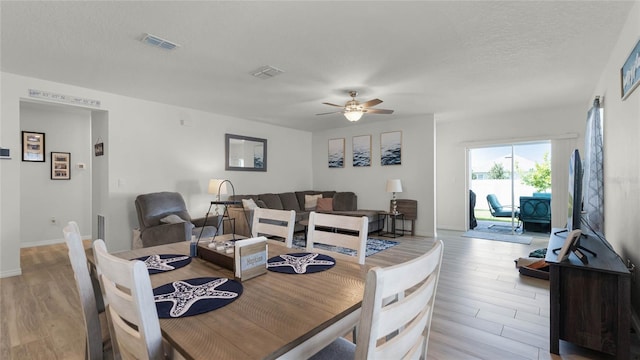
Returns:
point(500, 175)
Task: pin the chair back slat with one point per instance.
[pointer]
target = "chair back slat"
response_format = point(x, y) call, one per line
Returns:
point(270, 222)
point(405, 324)
point(78, 259)
point(131, 305)
point(339, 230)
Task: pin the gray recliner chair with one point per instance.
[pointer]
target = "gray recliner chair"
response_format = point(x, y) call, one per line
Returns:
point(164, 219)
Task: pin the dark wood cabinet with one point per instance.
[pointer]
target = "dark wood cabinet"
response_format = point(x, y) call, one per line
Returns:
point(590, 303)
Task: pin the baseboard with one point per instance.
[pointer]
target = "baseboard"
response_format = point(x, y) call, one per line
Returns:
point(47, 242)
point(10, 273)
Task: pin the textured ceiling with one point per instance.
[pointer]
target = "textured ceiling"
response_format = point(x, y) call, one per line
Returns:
point(424, 57)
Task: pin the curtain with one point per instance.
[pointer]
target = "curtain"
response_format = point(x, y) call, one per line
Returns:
point(593, 179)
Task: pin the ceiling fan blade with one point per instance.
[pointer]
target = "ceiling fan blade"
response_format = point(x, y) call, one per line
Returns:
point(330, 104)
point(331, 112)
point(378, 111)
point(371, 103)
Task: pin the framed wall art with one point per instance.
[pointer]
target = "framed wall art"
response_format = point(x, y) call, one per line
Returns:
point(60, 165)
point(33, 146)
point(391, 148)
point(336, 153)
point(362, 150)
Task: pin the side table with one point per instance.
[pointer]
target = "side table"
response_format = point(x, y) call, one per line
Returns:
point(392, 230)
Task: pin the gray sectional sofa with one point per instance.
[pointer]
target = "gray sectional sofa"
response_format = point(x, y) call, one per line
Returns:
point(344, 203)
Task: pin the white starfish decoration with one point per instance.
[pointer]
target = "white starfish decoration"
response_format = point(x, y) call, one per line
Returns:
point(299, 263)
point(156, 263)
point(185, 295)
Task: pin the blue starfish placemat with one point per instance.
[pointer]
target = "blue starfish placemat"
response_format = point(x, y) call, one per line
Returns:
point(195, 296)
point(165, 262)
point(300, 263)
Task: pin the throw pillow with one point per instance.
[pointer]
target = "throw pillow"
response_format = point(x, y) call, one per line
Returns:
point(249, 204)
point(172, 219)
point(311, 201)
point(325, 204)
point(261, 204)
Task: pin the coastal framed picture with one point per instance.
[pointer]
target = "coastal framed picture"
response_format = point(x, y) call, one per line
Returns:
point(336, 153)
point(391, 148)
point(630, 72)
point(60, 165)
point(33, 146)
point(361, 150)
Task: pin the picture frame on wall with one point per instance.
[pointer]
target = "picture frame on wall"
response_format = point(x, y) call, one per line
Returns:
point(60, 165)
point(33, 146)
point(361, 150)
point(336, 153)
point(391, 148)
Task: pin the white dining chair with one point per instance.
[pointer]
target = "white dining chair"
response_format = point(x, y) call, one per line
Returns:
point(400, 329)
point(131, 308)
point(338, 230)
point(270, 222)
point(98, 344)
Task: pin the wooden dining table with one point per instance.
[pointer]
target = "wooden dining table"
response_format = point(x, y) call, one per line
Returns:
point(278, 315)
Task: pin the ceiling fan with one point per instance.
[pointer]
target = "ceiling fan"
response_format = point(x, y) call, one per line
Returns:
point(353, 110)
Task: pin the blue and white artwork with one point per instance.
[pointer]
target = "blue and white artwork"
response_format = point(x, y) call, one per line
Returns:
point(336, 153)
point(391, 148)
point(258, 157)
point(362, 150)
point(630, 72)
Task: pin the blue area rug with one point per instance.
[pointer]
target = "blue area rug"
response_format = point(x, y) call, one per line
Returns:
point(373, 246)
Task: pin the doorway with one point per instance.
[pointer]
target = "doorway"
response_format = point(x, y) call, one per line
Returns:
point(499, 175)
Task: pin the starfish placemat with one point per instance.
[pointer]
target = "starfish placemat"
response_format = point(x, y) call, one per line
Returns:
point(195, 296)
point(165, 262)
point(300, 263)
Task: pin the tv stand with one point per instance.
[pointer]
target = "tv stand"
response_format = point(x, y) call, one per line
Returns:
point(590, 303)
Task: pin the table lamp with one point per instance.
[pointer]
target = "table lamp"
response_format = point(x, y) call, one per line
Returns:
point(394, 186)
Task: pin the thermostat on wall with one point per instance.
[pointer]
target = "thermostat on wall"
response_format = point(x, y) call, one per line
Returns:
point(81, 165)
point(5, 153)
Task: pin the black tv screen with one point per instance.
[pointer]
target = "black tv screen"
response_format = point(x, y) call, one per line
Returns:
point(575, 191)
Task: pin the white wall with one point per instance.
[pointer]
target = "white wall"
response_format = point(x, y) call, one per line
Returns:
point(66, 130)
point(622, 153)
point(148, 150)
point(455, 134)
point(369, 183)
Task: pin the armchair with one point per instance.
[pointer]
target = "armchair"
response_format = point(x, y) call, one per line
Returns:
point(498, 210)
point(164, 219)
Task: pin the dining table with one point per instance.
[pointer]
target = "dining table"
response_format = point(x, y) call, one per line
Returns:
point(277, 316)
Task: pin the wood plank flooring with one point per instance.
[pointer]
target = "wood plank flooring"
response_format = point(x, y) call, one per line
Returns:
point(484, 308)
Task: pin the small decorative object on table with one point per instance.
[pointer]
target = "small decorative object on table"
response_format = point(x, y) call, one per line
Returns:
point(250, 258)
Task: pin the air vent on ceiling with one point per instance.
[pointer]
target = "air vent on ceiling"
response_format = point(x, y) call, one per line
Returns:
point(155, 41)
point(266, 72)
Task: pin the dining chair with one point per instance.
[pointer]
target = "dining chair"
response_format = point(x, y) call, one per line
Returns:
point(400, 329)
point(98, 344)
point(339, 230)
point(131, 307)
point(270, 222)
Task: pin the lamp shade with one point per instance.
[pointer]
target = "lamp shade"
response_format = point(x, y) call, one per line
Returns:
point(394, 185)
point(214, 185)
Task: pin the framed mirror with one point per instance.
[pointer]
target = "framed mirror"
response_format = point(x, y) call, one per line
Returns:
point(244, 153)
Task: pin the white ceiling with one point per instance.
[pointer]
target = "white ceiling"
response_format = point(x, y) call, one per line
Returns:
point(422, 57)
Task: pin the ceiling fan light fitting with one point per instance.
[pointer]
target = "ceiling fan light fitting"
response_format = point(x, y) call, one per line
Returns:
point(353, 115)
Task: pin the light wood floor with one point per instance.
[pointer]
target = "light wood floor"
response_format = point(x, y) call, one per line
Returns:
point(484, 308)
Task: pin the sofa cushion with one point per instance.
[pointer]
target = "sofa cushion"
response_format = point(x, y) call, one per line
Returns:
point(311, 201)
point(300, 196)
point(249, 204)
point(289, 201)
point(324, 204)
point(345, 201)
point(261, 204)
point(272, 201)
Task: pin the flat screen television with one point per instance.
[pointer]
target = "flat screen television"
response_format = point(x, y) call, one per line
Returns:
point(575, 192)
